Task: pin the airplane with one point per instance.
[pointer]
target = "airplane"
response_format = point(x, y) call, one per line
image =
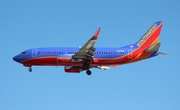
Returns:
point(78, 59)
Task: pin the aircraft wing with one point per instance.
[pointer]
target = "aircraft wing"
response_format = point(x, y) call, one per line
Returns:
point(86, 52)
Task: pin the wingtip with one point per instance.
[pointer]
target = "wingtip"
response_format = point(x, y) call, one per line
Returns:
point(98, 30)
point(95, 36)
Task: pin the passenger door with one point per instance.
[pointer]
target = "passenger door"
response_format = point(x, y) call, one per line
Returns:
point(130, 53)
point(34, 52)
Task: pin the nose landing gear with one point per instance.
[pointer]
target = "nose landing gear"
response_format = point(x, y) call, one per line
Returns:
point(30, 69)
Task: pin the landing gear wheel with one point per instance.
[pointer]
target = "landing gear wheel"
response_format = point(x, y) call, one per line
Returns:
point(30, 69)
point(88, 72)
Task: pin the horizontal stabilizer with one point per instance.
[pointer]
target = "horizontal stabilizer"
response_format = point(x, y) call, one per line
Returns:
point(153, 48)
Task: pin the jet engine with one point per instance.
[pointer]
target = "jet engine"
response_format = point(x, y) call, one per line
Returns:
point(72, 69)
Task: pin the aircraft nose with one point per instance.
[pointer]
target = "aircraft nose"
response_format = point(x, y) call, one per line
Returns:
point(16, 58)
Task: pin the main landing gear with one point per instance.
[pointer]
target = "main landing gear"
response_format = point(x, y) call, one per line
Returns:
point(30, 69)
point(86, 67)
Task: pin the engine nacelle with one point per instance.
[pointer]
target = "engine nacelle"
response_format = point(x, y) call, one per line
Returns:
point(72, 69)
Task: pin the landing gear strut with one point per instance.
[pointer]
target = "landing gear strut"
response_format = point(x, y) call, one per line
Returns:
point(86, 67)
point(30, 69)
point(88, 72)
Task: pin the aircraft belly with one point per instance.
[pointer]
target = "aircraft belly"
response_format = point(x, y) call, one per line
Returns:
point(114, 61)
point(41, 61)
point(107, 61)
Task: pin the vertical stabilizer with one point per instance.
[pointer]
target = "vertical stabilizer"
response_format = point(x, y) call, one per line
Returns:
point(151, 36)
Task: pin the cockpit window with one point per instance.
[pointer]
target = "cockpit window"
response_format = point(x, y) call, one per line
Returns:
point(23, 53)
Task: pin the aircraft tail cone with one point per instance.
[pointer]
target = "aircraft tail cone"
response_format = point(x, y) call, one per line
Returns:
point(162, 53)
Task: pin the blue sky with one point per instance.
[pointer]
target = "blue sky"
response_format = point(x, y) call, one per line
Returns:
point(151, 84)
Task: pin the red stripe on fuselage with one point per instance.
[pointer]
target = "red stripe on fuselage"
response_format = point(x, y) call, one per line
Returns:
point(141, 56)
point(41, 61)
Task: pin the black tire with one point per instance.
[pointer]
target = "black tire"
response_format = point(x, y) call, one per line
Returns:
point(30, 69)
point(88, 72)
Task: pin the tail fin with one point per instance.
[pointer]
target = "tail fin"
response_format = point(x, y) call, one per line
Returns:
point(151, 36)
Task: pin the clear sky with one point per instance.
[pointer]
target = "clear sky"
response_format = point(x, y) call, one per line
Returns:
point(152, 84)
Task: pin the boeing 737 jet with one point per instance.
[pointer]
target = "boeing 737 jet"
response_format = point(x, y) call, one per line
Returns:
point(78, 59)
